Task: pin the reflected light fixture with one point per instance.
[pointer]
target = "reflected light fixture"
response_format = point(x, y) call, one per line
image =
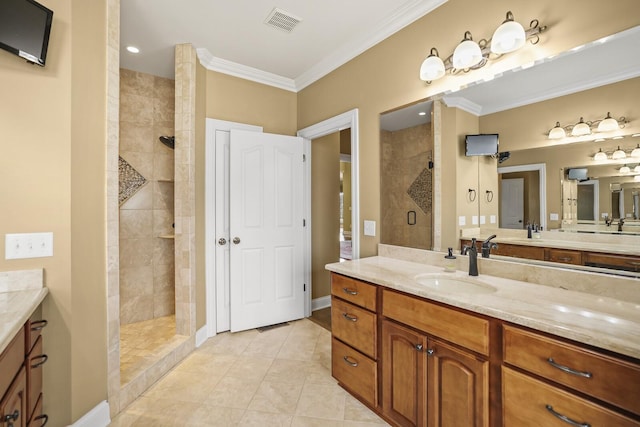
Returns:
point(600, 156)
point(618, 154)
point(467, 53)
point(636, 151)
point(625, 169)
point(133, 49)
point(470, 55)
point(608, 124)
point(508, 37)
point(636, 178)
point(557, 132)
point(637, 169)
point(581, 128)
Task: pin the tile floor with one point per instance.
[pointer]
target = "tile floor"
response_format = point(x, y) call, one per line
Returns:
point(144, 343)
point(281, 377)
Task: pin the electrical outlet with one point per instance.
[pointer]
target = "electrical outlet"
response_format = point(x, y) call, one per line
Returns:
point(369, 228)
point(28, 245)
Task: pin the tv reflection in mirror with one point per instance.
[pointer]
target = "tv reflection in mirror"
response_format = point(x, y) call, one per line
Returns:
point(578, 174)
point(485, 144)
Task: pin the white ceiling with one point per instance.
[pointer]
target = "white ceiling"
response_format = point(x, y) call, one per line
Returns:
point(232, 35)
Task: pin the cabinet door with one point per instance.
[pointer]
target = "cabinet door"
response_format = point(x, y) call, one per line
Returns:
point(403, 375)
point(13, 407)
point(458, 387)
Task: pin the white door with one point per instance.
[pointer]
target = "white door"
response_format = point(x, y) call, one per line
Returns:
point(266, 229)
point(512, 203)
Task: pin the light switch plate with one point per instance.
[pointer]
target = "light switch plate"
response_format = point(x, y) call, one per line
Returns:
point(483, 219)
point(553, 216)
point(462, 220)
point(474, 219)
point(369, 228)
point(28, 245)
point(492, 219)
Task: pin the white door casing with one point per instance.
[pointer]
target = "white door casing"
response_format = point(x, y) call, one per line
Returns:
point(266, 226)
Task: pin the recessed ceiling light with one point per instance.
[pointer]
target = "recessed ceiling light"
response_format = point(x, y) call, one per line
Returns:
point(635, 135)
point(422, 113)
point(617, 137)
point(133, 49)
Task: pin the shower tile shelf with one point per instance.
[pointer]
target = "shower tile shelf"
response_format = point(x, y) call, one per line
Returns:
point(167, 236)
point(166, 180)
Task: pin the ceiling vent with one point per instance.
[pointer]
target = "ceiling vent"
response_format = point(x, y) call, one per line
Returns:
point(282, 20)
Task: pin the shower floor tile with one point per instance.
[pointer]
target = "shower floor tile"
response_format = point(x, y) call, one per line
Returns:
point(144, 343)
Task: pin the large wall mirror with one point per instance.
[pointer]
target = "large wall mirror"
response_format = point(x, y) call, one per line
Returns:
point(522, 106)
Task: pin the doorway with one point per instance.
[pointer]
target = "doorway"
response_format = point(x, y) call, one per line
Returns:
point(541, 188)
point(588, 200)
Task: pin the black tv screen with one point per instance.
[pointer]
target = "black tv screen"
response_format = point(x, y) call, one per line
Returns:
point(485, 144)
point(25, 26)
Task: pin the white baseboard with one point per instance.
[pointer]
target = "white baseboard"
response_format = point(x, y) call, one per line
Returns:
point(97, 417)
point(322, 302)
point(201, 336)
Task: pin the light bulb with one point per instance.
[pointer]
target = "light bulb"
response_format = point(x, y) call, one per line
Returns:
point(608, 124)
point(636, 151)
point(467, 53)
point(432, 68)
point(618, 154)
point(581, 128)
point(557, 132)
point(508, 37)
point(625, 169)
point(600, 156)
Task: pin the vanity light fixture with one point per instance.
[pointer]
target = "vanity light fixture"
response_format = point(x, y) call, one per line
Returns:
point(600, 156)
point(636, 178)
point(618, 154)
point(470, 55)
point(583, 127)
point(636, 151)
point(625, 169)
point(637, 169)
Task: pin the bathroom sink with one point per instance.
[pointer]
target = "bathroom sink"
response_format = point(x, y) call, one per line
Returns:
point(453, 284)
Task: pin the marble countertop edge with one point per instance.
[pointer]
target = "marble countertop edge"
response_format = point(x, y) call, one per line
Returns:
point(15, 309)
point(595, 320)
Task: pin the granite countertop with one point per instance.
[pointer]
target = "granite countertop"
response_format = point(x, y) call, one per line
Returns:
point(596, 320)
point(20, 295)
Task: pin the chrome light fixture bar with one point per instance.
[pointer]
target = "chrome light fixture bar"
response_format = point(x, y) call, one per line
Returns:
point(470, 55)
point(583, 128)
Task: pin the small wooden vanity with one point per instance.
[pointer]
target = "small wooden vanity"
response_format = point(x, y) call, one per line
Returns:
point(421, 362)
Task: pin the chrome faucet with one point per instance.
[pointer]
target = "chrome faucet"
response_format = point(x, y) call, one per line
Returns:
point(472, 251)
point(620, 224)
point(487, 245)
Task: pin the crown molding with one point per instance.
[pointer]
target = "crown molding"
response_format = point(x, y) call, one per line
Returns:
point(463, 103)
point(220, 65)
point(407, 14)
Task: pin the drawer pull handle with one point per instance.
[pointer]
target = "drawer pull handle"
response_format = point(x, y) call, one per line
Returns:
point(350, 363)
point(38, 325)
point(568, 370)
point(44, 417)
point(42, 360)
point(350, 317)
point(350, 291)
point(12, 417)
point(565, 418)
point(564, 258)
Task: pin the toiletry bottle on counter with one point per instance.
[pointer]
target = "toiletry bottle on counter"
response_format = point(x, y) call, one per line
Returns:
point(536, 232)
point(528, 230)
point(450, 261)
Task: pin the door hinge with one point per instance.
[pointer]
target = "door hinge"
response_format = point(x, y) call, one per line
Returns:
point(304, 222)
point(304, 157)
point(304, 287)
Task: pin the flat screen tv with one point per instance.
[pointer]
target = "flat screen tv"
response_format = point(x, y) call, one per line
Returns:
point(25, 26)
point(485, 144)
point(578, 174)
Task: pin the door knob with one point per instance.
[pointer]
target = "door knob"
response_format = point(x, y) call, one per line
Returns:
point(236, 240)
point(222, 241)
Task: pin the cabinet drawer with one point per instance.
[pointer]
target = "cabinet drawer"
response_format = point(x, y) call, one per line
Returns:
point(529, 402)
point(460, 328)
point(354, 325)
point(619, 262)
point(11, 360)
point(35, 360)
point(355, 371)
point(612, 380)
point(33, 329)
point(355, 291)
point(563, 255)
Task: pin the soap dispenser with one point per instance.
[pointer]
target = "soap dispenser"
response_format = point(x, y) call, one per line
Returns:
point(450, 261)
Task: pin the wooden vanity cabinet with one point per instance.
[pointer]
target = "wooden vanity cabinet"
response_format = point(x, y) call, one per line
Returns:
point(564, 256)
point(515, 251)
point(21, 378)
point(579, 383)
point(354, 348)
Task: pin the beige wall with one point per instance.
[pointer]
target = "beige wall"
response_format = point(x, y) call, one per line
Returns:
point(147, 278)
point(237, 100)
point(53, 170)
point(386, 76)
point(325, 210)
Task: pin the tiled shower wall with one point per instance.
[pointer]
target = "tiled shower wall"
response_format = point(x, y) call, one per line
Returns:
point(147, 279)
point(405, 155)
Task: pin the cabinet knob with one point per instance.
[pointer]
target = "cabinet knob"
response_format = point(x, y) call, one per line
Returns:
point(430, 352)
point(11, 417)
point(418, 347)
